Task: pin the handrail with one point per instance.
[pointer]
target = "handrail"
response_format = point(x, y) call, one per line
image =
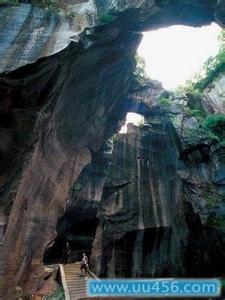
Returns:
point(92, 274)
point(64, 283)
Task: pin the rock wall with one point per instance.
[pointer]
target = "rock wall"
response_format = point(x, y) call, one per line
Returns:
point(64, 99)
point(141, 223)
point(162, 208)
point(30, 32)
point(214, 96)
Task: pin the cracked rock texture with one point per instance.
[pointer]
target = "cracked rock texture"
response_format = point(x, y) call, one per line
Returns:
point(30, 32)
point(162, 210)
point(214, 96)
point(141, 222)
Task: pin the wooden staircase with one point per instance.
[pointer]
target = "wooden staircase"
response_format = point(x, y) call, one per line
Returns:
point(74, 285)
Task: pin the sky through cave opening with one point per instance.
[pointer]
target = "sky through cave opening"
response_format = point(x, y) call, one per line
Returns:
point(174, 55)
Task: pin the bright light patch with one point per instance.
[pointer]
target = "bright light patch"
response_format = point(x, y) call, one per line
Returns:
point(134, 118)
point(174, 54)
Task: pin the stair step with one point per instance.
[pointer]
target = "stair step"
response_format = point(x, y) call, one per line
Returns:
point(74, 278)
point(72, 272)
point(72, 286)
point(81, 288)
point(77, 290)
point(74, 281)
point(69, 279)
point(77, 286)
point(81, 295)
point(68, 276)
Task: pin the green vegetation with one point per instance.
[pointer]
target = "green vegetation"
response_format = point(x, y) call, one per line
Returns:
point(193, 98)
point(211, 128)
point(58, 294)
point(216, 221)
point(165, 102)
point(105, 19)
point(9, 1)
point(113, 138)
point(139, 73)
point(77, 186)
point(211, 69)
point(195, 113)
point(51, 5)
point(194, 134)
point(215, 125)
point(213, 199)
point(48, 4)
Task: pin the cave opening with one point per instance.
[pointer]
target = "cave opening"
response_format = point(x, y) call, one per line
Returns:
point(79, 223)
point(80, 236)
point(173, 54)
point(132, 118)
point(170, 58)
point(81, 233)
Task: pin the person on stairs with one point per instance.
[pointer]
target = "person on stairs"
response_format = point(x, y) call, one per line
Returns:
point(84, 266)
point(66, 253)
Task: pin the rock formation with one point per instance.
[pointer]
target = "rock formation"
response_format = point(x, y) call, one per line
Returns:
point(162, 208)
point(60, 103)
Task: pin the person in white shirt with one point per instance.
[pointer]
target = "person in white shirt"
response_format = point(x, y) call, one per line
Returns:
point(84, 266)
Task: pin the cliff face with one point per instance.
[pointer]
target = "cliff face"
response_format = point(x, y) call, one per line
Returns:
point(162, 208)
point(141, 222)
point(63, 92)
point(56, 117)
point(159, 209)
point(214, 96)
point(30, 32)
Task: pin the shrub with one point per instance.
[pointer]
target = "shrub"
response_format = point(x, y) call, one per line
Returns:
point(165, 102)
point(139, 74)
point(216, 221)
point(48, 4)
point(105, 19)
point(215, 124)
point(196, 113)
point(194, 134)
point(211, 69)
point(9, 1)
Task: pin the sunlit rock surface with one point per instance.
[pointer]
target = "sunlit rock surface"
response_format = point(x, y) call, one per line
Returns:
point(214, 96)
point(29, 32)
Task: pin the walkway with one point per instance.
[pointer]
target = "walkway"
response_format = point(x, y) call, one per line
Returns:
point(74, 285)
